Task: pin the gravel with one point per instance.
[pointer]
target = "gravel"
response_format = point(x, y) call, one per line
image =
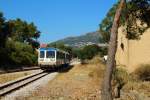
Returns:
point(7, 77)
point(27, 90)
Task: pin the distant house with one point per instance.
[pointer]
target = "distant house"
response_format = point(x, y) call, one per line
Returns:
point(102, 45)
point(43, 45)
point(133, 53)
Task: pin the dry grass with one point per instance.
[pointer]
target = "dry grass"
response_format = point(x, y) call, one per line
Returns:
point(98, 68)
point(12, 76)
point(137, 83)
point(121, 76)
point(133, 88)
point(136, 91)
point(142, 72)
point(82, 82)
point(133, 85)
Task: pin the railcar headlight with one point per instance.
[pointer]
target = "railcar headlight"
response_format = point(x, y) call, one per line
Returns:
point(52, 59)
point(41, 59)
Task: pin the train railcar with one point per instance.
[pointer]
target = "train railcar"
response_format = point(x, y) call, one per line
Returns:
point(52, 58)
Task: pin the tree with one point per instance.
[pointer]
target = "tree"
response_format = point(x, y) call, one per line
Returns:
point(135, 10)
point(3, 38)
point(18, 41)
point(88, 52)
point(24, 32)
point(106, 24)
point(2, 34)
point(106, 90)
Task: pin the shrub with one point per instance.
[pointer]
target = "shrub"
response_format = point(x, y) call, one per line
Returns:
point(96, 60)
point(142, 72)
point(21, 53)
point(121, 76)
point(97, 67)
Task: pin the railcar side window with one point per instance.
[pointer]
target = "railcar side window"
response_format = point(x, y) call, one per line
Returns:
point(50, 54)
point(60, 55)
point(41, 54)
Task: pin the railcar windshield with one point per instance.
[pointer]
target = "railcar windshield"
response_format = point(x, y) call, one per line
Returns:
point(41, 54)
point(50, 54)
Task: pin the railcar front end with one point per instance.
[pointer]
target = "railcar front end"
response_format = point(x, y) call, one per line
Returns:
point(52, 58)
point(47, 58)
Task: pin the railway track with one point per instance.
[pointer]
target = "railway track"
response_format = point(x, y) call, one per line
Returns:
point(19, 70)
point(14, 85)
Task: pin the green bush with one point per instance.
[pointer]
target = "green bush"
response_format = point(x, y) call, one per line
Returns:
point(142, 72)
point(21, 53)
point(18, 43)
point(88, 52)
point(121, 76)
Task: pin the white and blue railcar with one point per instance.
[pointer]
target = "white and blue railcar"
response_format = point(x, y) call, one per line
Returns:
point(51, 58)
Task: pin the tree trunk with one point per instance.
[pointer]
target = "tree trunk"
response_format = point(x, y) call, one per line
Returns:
point(106, 93)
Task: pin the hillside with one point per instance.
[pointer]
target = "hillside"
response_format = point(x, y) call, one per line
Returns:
point(88, 38)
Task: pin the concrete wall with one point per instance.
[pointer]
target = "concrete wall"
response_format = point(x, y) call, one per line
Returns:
point(132, 53)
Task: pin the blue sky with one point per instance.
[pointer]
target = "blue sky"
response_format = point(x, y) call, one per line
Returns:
point(57, 19)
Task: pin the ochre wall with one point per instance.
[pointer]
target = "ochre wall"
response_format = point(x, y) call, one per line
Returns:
point(135, 52)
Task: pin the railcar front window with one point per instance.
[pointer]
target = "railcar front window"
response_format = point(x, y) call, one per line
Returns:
point(41, 54)
point(50, 54)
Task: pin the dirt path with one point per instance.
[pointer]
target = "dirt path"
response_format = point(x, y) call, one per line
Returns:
point(82, 82)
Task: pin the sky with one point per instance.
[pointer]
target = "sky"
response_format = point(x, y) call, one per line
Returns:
point(57, 19)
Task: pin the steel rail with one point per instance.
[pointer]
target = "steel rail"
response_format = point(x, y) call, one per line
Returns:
point(16, 84)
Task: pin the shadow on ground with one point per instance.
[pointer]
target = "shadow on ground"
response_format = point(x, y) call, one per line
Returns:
point(61, 69)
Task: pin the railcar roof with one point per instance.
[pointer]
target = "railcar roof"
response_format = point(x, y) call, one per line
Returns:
point(52, 49)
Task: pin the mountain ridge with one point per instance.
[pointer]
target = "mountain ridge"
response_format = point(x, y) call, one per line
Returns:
point(85, 39)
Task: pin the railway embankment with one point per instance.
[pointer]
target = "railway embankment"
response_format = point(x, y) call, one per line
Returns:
point(78, 83)
point(30, 88)
point(15, 75)
point(21, 69)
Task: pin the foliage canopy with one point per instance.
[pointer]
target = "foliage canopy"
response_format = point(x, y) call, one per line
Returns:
point(18, 42)
point(135, 10)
